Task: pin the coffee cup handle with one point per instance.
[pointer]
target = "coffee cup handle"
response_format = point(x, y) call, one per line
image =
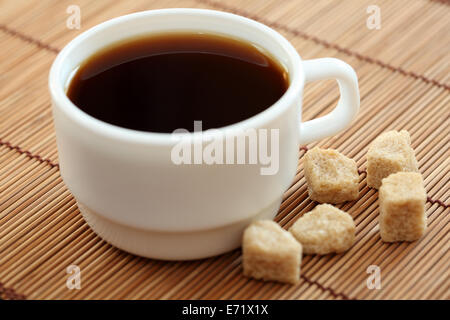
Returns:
point(346, 109)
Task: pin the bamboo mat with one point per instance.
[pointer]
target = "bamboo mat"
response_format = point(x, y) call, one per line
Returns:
point(404, 75)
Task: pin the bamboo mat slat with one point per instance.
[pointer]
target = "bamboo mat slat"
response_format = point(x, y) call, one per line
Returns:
point(404, 76)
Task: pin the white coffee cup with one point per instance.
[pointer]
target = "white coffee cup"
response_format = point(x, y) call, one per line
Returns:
point(128, 189)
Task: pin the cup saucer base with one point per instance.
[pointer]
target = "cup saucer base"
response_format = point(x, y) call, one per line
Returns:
point(173, 245)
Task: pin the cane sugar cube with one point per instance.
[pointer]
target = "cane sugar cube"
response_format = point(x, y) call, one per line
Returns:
point(324, 230)
point(331, 177)
point(402, 200)
point(389, 153)
point(271, 253)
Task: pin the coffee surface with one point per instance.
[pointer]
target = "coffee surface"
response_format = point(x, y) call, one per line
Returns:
point(163, 82)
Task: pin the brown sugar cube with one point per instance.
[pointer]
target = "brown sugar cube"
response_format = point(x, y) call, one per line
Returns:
point(324, 230)
point(389, 153)
point(271, 253)
point(402, 200)
point(331, 176)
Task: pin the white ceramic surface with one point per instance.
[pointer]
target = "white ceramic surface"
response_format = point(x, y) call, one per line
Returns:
point(127, 187)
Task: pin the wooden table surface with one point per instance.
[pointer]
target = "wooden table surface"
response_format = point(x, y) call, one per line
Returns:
point(403, 69)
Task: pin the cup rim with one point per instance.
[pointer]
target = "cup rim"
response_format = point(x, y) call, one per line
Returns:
point(64, 104)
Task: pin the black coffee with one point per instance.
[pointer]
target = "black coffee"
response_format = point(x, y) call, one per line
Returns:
point(164, 82)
